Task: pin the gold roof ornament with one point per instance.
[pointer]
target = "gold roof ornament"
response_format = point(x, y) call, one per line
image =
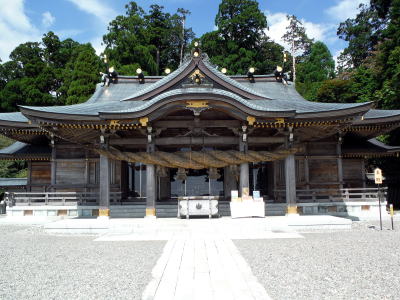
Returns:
point(196, 103)
point(251, 120)
point(144, 121)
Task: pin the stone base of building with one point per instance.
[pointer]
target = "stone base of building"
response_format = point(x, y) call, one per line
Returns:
point(292, 210)
point(150, 212)
point(352, 210)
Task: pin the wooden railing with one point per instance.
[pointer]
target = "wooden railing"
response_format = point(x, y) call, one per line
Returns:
point(334, 195)
point(57, 198)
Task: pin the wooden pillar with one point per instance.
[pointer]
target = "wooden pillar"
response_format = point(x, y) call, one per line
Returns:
point(151, 191)
point(290, 183)
point(29, 179)
point(270, 180)
point(244, 168)
point(307, 168)
point(124, 180)
point(230, 182)
point(244, 177)
point(165, 187)
point(151, 182)
point(130, 177)
point(53, 166)
point(87, 171)
point(104, 199)
point(364, 179)
point(339, 162)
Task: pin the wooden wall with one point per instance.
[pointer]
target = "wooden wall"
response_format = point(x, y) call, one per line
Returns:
point(316, 167)
point(39, 175)
point(353, 173)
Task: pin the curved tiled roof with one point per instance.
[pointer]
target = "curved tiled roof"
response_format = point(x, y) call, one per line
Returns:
point(19, 149)
point(116, 92)
point(307, 106)
point(13, 182)
point(159, 83)
point(275, 90)
point(269, 96)
point(251, 104)
point(87, 109)
point(13, 117)
point(381, 113)
point(278, 105)
point(231, 81)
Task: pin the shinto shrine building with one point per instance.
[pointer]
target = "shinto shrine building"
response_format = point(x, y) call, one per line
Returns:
point(141, 142)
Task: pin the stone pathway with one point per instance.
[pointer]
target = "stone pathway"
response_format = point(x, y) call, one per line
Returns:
point(203, 269)
point(200, 261)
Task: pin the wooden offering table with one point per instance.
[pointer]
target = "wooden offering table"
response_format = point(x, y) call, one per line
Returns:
point(198, 206)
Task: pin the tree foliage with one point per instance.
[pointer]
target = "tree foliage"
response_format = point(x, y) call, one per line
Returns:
point(151, 40)
point(241, 22)
point(39, 73)
point(317, 67)
point(83, 74)
point(240, 42)
point(11, 169)
point(297, 39)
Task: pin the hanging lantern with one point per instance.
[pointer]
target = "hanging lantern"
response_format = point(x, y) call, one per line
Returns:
point(162, 171)
point(213, 173)
point(235, 171)
point(181, 174)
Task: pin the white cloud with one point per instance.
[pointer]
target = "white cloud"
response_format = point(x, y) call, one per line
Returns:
point(97, 45)
point(278, 22)
point(345, 9)
point(15, 27)
point(97, 8)
point(336, 55)
point(47, 19)
point(103, 13)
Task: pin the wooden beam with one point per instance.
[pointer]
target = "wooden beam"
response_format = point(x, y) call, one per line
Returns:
point(209, 140)
point(197, 124)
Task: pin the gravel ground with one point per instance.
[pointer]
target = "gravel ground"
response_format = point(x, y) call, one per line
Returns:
point(362, 263)
point(36, 265)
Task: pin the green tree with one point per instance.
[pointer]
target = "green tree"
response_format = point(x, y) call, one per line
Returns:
point(336, 91)
point(241, 22)
point(297, 39)
point(240, 41)
point(35, 75)
point(150, 40)
point(317, 67)
point(11, 169)
point(362, 34)
point(84, 75)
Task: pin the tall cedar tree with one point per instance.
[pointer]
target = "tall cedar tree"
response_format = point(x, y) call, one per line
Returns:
point(240, 41)
point(84, 75)
point(317, 67)
point(152, 41)
point(297, 39)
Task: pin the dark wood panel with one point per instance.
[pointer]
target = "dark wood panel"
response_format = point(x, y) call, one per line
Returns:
point(323, 170)
point(40, 172)
point(352, 169)
point(322, 148)
point(72, 172)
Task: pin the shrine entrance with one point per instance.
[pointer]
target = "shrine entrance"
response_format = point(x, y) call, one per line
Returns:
point(196, 183)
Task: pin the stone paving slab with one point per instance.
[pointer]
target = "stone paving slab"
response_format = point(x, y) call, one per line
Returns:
point(203, 269)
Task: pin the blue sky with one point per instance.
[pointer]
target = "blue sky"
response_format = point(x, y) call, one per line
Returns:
point(86, 20)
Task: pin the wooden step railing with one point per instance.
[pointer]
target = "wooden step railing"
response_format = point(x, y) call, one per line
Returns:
point(334, 195)
point(57, 198)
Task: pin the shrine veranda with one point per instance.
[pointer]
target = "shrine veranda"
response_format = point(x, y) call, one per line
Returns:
point(140, 144)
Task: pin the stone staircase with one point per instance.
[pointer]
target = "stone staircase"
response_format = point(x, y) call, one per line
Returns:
point(170, 210)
